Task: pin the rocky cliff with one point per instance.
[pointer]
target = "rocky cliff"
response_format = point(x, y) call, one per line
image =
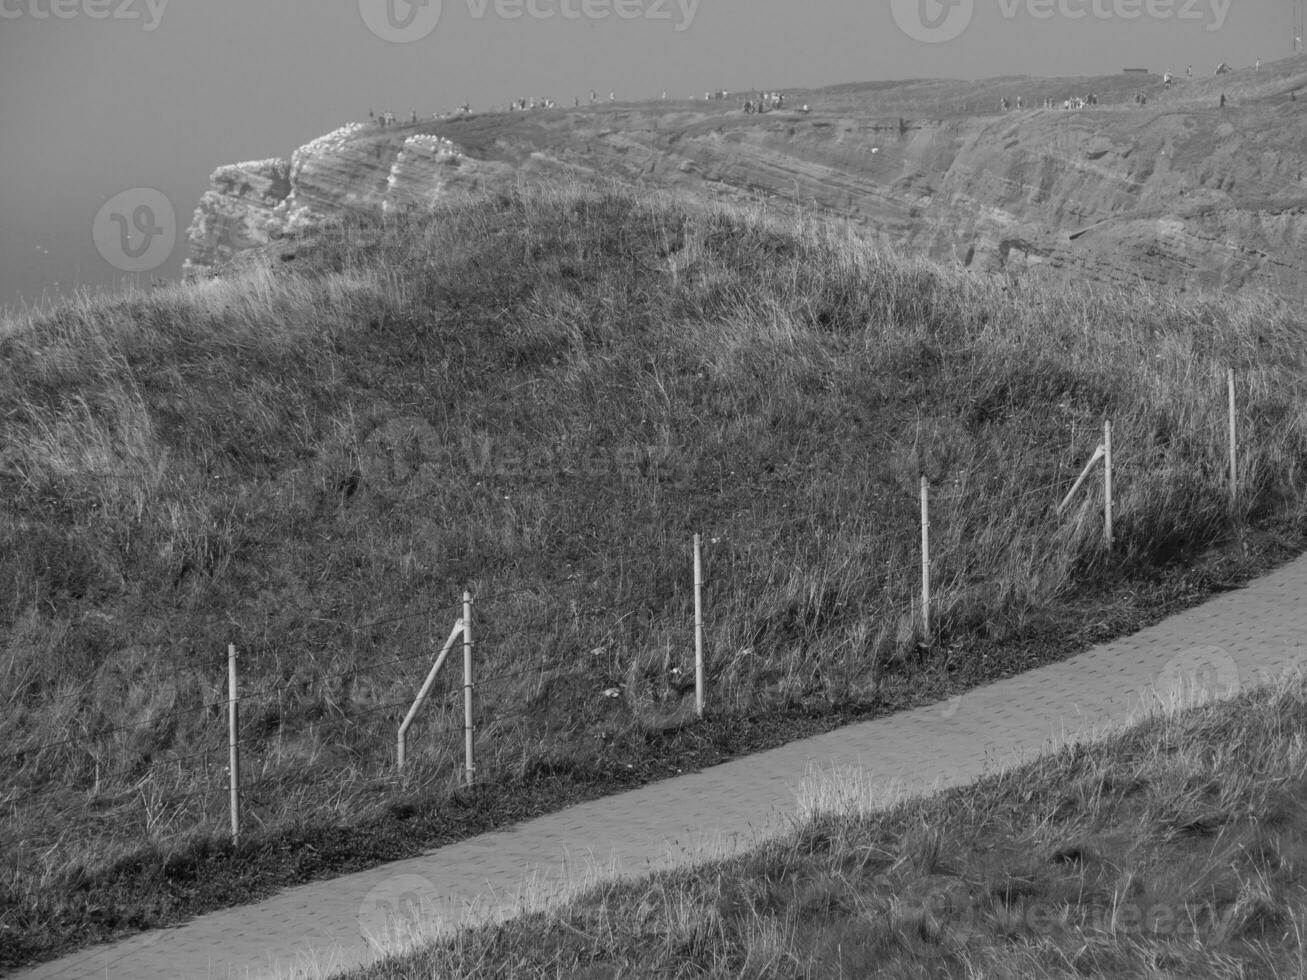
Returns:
point(238, 211)
point(1177, 190)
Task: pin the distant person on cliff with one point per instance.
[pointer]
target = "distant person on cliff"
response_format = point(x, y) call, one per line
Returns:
point(1222, 100)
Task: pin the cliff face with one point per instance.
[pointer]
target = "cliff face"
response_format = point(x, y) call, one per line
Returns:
point(1178, 191)
point(238, 211)
point(355, 168)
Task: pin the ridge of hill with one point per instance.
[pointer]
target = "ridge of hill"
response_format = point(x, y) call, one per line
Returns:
point(1177, 191)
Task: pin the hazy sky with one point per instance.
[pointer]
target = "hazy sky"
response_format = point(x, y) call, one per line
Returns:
point(98, 97)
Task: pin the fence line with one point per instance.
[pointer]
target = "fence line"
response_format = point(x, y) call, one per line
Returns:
point(464, 626)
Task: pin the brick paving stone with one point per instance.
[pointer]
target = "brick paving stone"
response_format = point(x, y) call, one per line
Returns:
point(1238, 639)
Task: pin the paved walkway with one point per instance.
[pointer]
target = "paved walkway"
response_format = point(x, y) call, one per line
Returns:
point(1239, 639)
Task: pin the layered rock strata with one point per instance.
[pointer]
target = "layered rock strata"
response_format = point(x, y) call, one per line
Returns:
point(238, 211)
point(1177, 191)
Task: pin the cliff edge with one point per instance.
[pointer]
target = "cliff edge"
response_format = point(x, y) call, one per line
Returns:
point(1146, 182)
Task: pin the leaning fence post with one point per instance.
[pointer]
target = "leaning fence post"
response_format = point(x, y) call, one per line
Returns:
point(1234, 469)
point(925, 556)
point(468, 761)
point(1098, 454)
point(401, 752)
point(1107, 483)
point(698, 628)
point(233, 749)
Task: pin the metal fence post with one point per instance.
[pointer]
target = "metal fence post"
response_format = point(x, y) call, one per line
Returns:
point(925, 556)
point(1107, 483)
point(698, 628)
point(468, 762)
point(1234, 457)
point(233, 749)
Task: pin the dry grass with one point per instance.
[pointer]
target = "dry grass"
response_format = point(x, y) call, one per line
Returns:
point(539, 398)
point(1170, 849)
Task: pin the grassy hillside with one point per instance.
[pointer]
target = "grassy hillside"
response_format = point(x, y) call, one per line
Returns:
point(540, 398)
point(1170, 850)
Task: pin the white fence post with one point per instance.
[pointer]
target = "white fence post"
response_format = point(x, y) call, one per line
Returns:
point(469, 764)
point(233, 749)
point(1234, 458)
point(1107, 483)
point(698, 628)
point(925, 556)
